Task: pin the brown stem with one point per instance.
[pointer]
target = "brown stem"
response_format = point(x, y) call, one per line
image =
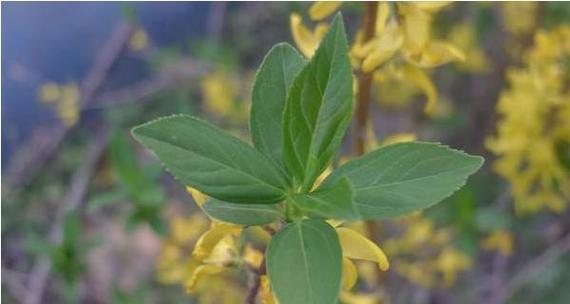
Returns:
point(363, 104)
point(256, 283)
point(364, 84)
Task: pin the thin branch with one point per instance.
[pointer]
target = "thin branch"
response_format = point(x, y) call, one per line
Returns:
point(45, 142)
point(74, 197)
point(536, 266)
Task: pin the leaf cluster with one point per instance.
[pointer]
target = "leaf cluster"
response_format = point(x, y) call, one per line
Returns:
point(299, 115)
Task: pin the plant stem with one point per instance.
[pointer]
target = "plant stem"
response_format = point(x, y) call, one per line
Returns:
point(364, 84)
point(363, 104)
point(253, 290)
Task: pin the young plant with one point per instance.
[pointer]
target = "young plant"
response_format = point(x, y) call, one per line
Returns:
point(300, 112)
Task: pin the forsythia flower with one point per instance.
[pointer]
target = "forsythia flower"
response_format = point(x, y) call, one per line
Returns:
point(463, 36)
point(501, 241)
point(533, 125)
point(401, 29)
point(139, 40)
point(203, 269)
point(423, 253)
point(224, 95)
point(65, 98)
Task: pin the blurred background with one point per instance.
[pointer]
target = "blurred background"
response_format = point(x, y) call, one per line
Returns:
point(89, 215)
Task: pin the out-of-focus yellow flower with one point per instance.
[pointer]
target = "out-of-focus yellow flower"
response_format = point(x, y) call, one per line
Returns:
point(423, 253)
point(450, 262)
point(65, 98)
point(463, 36)
point(322, 9)
point(305, 39)
point(226, 95)
point(267, 295)
point(359, 298)
point(203, 269)
point(174, 264)
point(533, 123)
point(519, 18)
point(501, 241)
point(401, 45)
point(417, 272)
point(49, 92)
point(139, 40)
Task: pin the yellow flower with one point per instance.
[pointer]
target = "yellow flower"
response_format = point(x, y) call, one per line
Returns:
point(322, 9)
point(65, 99)
point(267, 295)
point(138, 40)
point(463, 36)
point(226, 95)
point(305, 39)
point(356, 246)
point(49, 92)
point(450, 262)
point(533, 122)
point(501, 241)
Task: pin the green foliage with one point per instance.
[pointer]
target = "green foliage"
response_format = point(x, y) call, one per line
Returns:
point(318, 109)
point(304, 263)
point(269, 95)
point(242, 214)
point(212, 161)
point(134, 184)
point(248, 185)
point(400, 178)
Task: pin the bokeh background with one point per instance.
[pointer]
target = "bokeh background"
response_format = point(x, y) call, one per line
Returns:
point(88, 215)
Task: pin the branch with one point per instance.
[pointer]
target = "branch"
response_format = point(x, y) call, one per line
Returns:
point(46, 141)
point(77, 189)
point(536, 266)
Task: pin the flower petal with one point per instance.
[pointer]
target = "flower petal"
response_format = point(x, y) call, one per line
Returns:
point(198, 197)
point(435, 54)
point(198, 273)
point(420, 79)
point(306, 40)
point(266, 293)
point(208, 241)
point(356, 246)
point(349, 274)
point(322, 9)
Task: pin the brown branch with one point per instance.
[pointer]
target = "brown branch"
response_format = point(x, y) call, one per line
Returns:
point(77, 190)
point(363, 105)
point(364, 84)
point(25, 166)
point(536, 266)
point(253, 289)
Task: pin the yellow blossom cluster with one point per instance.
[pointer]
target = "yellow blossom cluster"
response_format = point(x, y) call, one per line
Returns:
point(65, 99)
point(398, 54)
point(534, 125)
point(215, 252)
point(519, 21)
point(424, 254)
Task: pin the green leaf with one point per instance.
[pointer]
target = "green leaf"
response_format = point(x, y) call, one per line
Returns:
point(304, 263)
point(401, 178)
point(241, 214)
point(214, 162)
point(269, 95)
point(332, 201)
point(318, 109)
